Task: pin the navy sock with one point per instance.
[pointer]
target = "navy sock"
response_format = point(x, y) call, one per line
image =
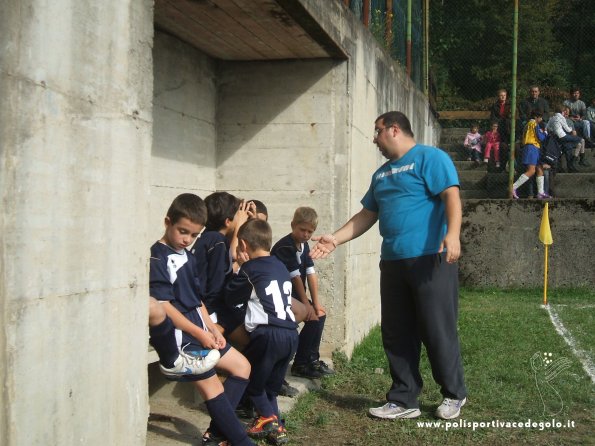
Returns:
point(234, 388)
point(163, 340)
point(272, 397)
point(228, 425)
point(309, 342)
point(262, 405)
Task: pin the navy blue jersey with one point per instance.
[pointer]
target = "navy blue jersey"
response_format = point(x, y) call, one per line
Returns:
point(172, 277)
point(214, 264)
point(297, 260)
point(265, 285)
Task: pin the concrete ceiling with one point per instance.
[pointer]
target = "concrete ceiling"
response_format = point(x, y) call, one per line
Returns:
point(246, 29)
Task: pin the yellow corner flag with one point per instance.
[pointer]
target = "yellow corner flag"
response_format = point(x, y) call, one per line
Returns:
point(545, 235)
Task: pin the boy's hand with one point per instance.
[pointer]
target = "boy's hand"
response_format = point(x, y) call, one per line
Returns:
point(241, 216)
point(219, 340)
point(206, 338)
point(310, 313)
point(320, 311)
point(252, 213)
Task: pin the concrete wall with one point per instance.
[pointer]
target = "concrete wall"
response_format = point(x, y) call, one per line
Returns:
point(501, 247)
point(75, 141)
point(184, 131)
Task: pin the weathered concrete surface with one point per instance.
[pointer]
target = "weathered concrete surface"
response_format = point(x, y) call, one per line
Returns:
point(501, 247)
point(75, 139)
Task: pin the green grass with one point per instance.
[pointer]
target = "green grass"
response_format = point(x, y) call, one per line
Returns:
point(500, 331)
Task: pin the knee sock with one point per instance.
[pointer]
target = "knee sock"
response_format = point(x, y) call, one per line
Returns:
point(163, 340)
point(233, 388)
point(273, 402)
point(318, 338)
point(309, 342)
point(262, 405)
point(540, 183)
point(223, 417)
point(522, 180)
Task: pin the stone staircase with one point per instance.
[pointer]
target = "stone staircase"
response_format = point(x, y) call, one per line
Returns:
point(481, 182)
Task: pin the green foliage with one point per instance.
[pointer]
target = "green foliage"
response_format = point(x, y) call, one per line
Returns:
point(471, 46)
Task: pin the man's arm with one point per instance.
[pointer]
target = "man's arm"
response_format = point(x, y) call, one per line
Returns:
point(356, 226)
point(454, 217)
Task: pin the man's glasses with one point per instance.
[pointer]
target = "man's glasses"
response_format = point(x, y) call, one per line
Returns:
point(379, 131)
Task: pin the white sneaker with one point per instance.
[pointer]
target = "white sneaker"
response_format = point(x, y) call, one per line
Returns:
point(391, 411)
point(450, 408)
point(191, 365)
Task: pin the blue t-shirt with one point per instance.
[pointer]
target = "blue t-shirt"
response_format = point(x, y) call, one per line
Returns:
point(264, 284)
point(172, 277)
point(405, 193)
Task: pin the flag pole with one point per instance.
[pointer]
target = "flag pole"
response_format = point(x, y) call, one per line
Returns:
point(545, 278)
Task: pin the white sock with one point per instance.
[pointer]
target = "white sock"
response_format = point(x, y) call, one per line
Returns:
point(522, 180)
point(540, 181)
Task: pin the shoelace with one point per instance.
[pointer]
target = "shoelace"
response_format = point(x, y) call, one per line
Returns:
point(188, 357)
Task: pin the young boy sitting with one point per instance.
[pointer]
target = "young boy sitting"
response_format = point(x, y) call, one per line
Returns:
point(173, 281)
point(294, 252)
point(214, 253)
point(264, 285)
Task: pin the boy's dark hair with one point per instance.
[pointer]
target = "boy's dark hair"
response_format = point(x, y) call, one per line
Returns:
point(257, 234)
point(188, 206)
point(260, 207)
point(535, 114)
point(398, 118)
point(220, 206)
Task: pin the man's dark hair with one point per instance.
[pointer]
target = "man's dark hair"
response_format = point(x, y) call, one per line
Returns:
point(396, 118)
point(220, 206)
point(188, 206)
point(574, 88)
point(257, 234)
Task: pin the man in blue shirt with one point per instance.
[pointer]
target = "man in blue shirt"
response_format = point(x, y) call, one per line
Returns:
point(415, 198)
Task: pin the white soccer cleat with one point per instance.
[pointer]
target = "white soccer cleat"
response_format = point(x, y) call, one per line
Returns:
point(191, 365)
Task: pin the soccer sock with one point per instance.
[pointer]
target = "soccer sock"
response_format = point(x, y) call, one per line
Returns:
point(522, 180)
point(163, 340)
point(262, 405)
point(234, 388)
point(540, 183)
point(318, 338)
point(223, 417)
point(306, 342)
point(273, 402)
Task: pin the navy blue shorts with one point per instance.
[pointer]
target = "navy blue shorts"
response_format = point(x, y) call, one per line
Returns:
point(189, 344)
point(270, 350)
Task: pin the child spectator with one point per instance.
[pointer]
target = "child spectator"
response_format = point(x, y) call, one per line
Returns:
point(263, 283)
point(173, 363)
point(533, 136)
point(491, 139)
point(214, 258)
point(294, 252)
point(173, 281)
point(473, 144)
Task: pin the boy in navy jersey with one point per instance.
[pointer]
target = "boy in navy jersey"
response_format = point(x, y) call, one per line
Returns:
point(294, 252)
point(173, 281)
point(264, 284)
point(214, 253)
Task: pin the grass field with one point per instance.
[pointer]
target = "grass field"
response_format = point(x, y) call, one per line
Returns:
point(500, 332)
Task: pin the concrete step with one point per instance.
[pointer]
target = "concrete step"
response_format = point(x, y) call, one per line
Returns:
point(474, 194)
point(473, 179)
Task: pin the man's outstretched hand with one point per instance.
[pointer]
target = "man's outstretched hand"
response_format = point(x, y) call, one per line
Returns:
point(326, 244)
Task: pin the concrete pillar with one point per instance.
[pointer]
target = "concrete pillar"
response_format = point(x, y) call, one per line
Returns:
point(75, 142)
